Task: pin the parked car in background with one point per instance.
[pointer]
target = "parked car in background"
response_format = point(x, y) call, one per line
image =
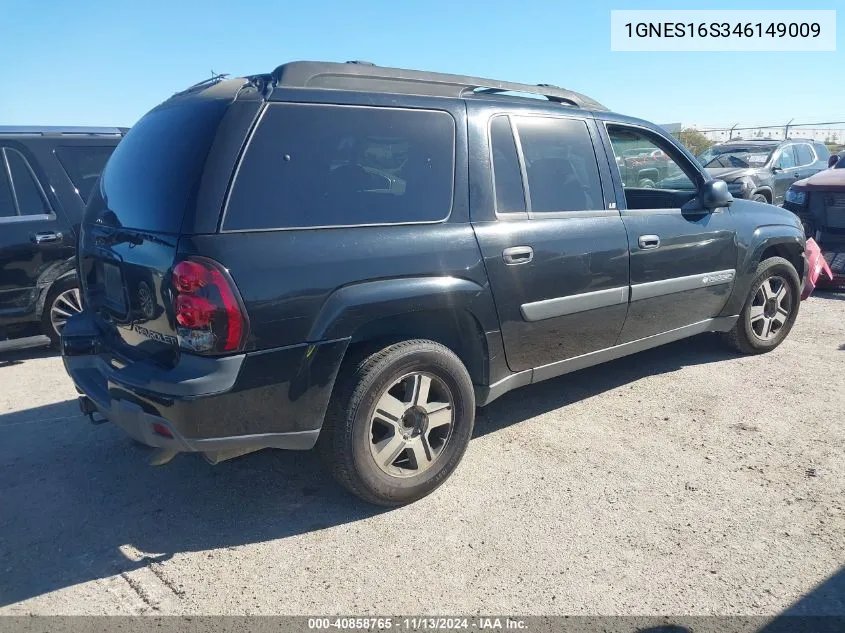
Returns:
point(763, 170)
point(355, 257)
point(47, 175)
point(819, 201)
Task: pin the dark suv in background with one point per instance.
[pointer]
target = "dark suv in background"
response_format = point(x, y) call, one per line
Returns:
point(763, 170)
point(355, 257)
point(47, 175)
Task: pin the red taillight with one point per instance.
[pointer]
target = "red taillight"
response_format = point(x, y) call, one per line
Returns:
point(189, 276)
point(209, 313)
point(194, 312)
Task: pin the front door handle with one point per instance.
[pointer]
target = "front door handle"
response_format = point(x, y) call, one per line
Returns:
point(518, 255)
point(46, 237)
point(647, 242)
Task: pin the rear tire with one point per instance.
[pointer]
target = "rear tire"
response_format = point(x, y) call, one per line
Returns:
point(398, 422)
point(63, 301)
point(759, 197)
point(770, 309)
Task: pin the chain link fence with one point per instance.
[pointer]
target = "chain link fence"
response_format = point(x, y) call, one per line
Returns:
point(698, 139)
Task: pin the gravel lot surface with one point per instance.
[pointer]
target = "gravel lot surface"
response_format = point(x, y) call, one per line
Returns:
point(683, 480)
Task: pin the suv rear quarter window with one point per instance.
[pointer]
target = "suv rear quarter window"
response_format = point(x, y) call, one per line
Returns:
point(327, 165)
point(83, 165)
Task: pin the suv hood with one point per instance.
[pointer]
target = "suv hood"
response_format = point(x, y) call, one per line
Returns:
point(729, 174)
point(827, 180)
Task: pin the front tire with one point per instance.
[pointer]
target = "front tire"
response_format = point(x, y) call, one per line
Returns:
point(399, 422)
point(770, 309)
point(759, 197)
point(63, 301)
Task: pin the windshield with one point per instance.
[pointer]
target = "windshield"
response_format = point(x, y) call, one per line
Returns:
point(736, 156)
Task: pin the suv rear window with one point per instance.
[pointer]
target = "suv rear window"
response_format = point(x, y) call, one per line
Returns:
point(83, 165)
point(329, 165)
point(153, 174)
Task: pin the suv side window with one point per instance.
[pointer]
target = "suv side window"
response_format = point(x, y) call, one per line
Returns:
point(786, 160)
point(560, 163)
point(644, 163)
point(311, 165)
point(507, 175)
point(26, 194)
point(7, 202)
point(83, 165)
point(804, 155)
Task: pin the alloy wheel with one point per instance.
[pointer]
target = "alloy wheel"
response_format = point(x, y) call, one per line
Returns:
point(770, 308)
point(65, 305)
point(411, 424)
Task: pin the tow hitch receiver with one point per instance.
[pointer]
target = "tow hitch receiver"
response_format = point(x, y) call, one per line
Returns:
point(87, 408)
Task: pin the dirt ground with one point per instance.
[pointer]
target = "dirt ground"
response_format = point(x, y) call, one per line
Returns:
point(683, 480)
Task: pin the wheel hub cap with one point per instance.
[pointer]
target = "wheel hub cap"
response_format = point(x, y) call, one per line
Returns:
point(411, 424)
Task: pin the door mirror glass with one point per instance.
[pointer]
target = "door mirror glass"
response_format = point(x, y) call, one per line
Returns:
point(714, 194)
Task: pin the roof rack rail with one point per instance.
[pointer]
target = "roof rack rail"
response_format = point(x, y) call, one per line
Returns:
point(53, 130)
point(215, 78)
point(364, 76)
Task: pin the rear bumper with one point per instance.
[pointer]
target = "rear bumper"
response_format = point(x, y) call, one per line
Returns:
point(274, 398)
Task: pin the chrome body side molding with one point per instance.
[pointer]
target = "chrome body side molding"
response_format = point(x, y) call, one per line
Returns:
point(560, 306)
point(680, 284)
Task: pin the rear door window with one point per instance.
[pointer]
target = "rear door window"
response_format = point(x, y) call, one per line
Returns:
point(507, 175)
point(327, 165)
point(804, 155)
point(83, 165)
point(7, 202)
point(561, 165)
point(26, 194)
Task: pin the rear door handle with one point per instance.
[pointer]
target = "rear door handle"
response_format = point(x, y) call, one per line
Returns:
point(647, 242)
point(46, 237)
point(518, 255)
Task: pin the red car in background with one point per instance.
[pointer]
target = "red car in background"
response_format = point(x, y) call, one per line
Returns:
point(820, 203)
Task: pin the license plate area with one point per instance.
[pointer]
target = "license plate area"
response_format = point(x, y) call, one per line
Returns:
point(113, 296)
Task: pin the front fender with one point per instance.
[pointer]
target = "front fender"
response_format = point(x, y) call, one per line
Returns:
point(350, 307)
point(764, 237)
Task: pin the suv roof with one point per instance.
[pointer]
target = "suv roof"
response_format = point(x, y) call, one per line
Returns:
point(367, 77)
point(57, 130)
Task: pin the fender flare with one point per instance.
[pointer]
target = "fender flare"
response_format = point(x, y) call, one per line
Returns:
point(350, 307)
point(57, 272)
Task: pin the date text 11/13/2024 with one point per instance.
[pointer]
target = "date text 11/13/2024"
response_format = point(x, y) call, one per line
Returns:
point(418, 623)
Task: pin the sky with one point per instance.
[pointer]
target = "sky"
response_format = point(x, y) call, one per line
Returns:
point(97, 62)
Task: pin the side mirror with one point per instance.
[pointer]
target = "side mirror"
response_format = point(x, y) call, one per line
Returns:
point(831, 162)
point(714, 194)
point(776, 169)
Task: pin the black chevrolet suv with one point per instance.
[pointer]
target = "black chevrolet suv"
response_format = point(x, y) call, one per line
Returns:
point(762, 170)
point(356, 257)
point(46, 176)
